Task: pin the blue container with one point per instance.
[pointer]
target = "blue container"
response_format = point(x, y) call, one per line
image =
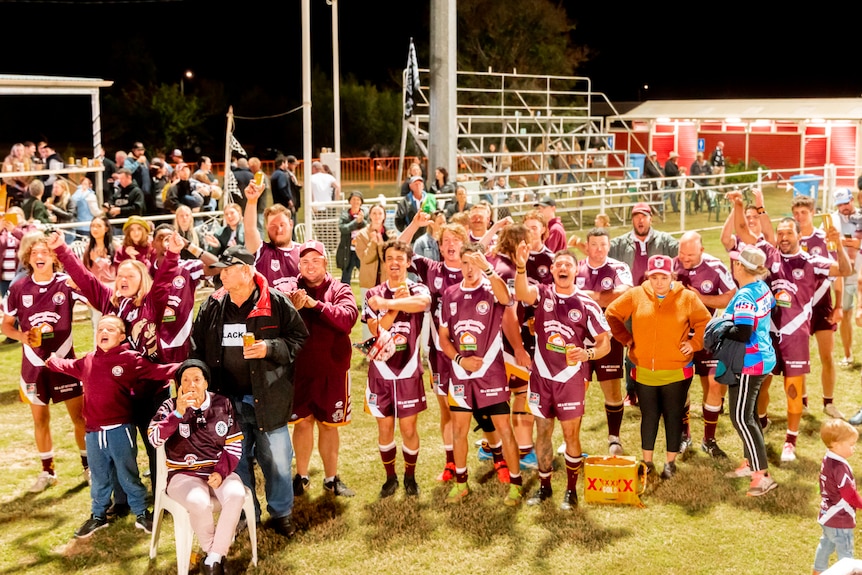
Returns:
point(636, 161)
point(806, 185)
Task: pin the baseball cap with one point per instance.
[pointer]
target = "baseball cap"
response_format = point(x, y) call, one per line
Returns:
point(312, 245)
point(234, 256)
point(641, 208)
point(843, 196)
point(177, 152)
point(750, 257)
point(653, 153)
point(659, 264)
point(672, 155)
point(546, 201)
point(415, 179)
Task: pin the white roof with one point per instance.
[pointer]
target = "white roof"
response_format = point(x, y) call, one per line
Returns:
point(24, 85)
point(797, 109)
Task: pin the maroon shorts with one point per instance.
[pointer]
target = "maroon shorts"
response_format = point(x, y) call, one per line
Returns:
point(326, 399)
point(473, 394)
point(440, 371)
point(704, 363)
point(563, 400)
point(791, 354)
point(820, 315)
point(610, 366)
point(50, 387)
point(398, 398)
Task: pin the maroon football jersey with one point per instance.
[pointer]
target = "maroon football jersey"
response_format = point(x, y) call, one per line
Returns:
point(280, 266)
point(406, 330)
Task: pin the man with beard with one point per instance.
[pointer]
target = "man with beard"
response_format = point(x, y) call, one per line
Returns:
point(277, 259)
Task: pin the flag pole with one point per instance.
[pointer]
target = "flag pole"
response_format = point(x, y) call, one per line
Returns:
point(227, 172)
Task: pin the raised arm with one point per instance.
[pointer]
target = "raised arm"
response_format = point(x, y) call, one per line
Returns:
point(524, 292)
point(253, 240)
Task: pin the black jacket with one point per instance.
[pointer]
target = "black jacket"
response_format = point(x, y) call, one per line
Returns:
point(274, 320)
point(727, 351)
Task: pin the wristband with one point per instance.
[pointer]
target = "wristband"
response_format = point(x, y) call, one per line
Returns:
point(178, 414)
point(457, 359)
point(591, 353)
point(489, 272)
point(760, 210)
point(521, 270)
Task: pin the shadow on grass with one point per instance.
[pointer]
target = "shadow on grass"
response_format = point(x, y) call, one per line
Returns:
point(10, 397)
point(396, 522)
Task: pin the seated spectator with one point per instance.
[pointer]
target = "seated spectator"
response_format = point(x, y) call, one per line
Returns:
point(34, 209)
point(61, 208)
point(136, 242)
point(202, 458)
point(86, 207)
point(459, 204)
point(230, 233)
point(210, 192)
point(182, 191)
point(184, 224)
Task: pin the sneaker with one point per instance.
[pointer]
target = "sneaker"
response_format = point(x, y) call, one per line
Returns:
point(389, 488)
point(832, 411)
point(570, 500)
point(144, 521)
point(684, 444)
point(765, 427)
point(117, 511)
point(448, 473)
point(515, 495)
point(411, 488)
point(299, 485)
point(90, 526)
point(540, 495)
point(337, 488)
point(614, 446)
point(529, 461)
point(631, 400)
point(43, 482)
point(856, 419)
point(846, 362)
point(669, 470)
point(743, 470)
point(788, 453)
point(561, 450)
point(502, 471)
point(711, 446)
point(764, 486)
point(458, 492)
point(484, 453)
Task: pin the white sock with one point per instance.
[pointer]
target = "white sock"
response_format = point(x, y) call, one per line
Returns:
point(212, 559)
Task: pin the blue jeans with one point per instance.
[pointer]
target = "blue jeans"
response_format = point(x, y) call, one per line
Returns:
point(833, 539)
point(115, 452)
point(273, 451)
point(352, 264)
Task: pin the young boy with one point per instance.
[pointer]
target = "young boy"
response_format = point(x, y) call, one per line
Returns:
point(110, 376)
point(838, 495)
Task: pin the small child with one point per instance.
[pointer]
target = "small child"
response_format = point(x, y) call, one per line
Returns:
point(110, 376)
point(838, 496)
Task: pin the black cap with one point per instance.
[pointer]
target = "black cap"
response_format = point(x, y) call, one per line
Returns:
point(188, 364)
point(234, 256)
point(546, 201)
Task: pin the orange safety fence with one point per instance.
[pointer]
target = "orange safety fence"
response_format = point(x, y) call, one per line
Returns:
point(367, 171)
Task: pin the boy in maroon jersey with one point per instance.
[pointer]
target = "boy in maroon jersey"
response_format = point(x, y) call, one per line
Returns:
point(395, 388)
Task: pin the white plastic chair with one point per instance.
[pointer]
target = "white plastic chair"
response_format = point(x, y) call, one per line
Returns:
point(183, 533)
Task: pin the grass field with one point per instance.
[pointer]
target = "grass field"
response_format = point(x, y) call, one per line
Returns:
point(698, 523)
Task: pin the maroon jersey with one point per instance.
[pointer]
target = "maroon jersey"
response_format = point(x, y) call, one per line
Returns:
point(563, 320)
point(709, 277)
point(539, 265)
point(474, 319)
point(794, 280)
point(611, 274)
point(49, 306)
point(406, 329)
point(839, 499)
point(280, 266)
point(438, 278)
point(175, 329)
point(816, 245)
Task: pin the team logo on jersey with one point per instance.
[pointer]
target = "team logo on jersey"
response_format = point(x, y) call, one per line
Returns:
point(221, 428)
point(59, 298)
point(579, 281)
point(372, 399)
point(468, 341)
point(337, 415)
point(542, 271)
point(706, 286)
point(117, 370)
point(482, 308)
point(438, 282)
point(816, 250)
point(798, 274)
point(548, 305)
point(190, 459)
point(275, 265)
point(184, 429)
point(453, 308)
point(27, 300)
point(575, 315)
point(179, 282)
point(607, 283)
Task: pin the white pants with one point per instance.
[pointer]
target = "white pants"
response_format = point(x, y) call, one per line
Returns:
point(196, 495)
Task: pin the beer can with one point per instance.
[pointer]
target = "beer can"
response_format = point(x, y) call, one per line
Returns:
point(85, 162)
point(570, 347)
point(258, 178)
point(248, 339)
point(71, 161)
point(35, 336)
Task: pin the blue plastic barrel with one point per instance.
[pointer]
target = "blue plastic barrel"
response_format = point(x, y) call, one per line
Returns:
point(806, 185)
point(636, 163)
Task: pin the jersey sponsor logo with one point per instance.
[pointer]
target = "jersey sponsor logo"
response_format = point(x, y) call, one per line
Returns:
point(548, 305)
point(458, 390)
point(783, 299)
point(575, 315)
point(438, 282)
point(59, 298)
point(556, 343)
point(798, 273)
point(337, 415)
point(372, 399)
point(185, 430)
point(221, 428)
point(468, 341)
point(533, 399)
point(117, 370)
point(706, 286)
point(607, 283)
point(27, 300)
point(482, 308)
point(170, 315)
point(275, 265)
point(400, 342)
point(179, 282)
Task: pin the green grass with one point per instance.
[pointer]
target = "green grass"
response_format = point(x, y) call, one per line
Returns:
point(699, 523)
